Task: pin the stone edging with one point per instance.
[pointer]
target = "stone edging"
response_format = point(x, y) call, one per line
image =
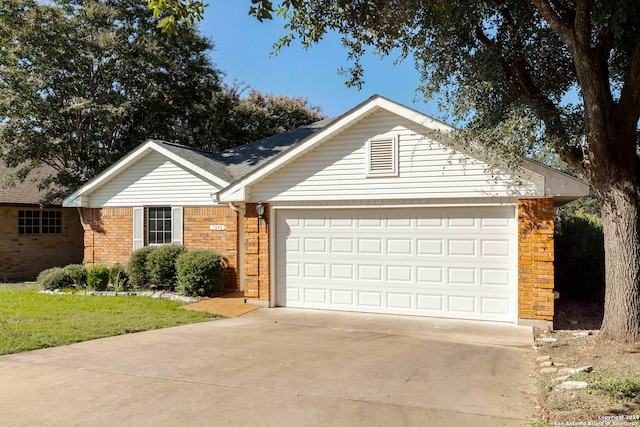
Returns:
point(153, 294)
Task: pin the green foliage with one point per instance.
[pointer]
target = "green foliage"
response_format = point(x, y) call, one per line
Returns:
point(118, 278)
point(242, 120)
point(98, 278)
point(83, 83)
point(78, 274)
point(161, 265)
point(579, 256)
point(612, 386)
point(137, 267)
point(200, 273)
point(177, 14)
point(54, 278)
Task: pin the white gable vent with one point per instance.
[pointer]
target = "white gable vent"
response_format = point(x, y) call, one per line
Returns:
point(382, 157)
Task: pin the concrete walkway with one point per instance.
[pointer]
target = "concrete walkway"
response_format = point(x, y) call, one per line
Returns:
point(281, 367)
point(230, 305)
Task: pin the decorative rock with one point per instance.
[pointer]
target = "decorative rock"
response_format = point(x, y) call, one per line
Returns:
point(543, 358)
point(582, 334)
point(548, 370)
point(576, 370)
point(574, 385)
point(546, 364)
point(558, 380)
point(547, 339)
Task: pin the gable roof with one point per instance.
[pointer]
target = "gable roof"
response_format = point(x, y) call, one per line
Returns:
point(235, 169)
point(198, 162)
point(25, 192)
point(219, 168)
point(334, 126)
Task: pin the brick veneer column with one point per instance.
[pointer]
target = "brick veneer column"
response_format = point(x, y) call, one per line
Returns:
point(256, 261)
point(535, 259)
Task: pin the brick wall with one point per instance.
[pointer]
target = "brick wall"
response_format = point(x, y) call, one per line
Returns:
point(197, 234)
point(108, 235)
point(22, 257)
point(256, 262)
point(535, 259)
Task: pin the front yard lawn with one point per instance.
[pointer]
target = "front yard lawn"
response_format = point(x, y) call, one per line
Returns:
point(30, 320)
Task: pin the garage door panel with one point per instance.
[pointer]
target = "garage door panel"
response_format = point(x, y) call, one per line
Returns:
point(370, 299)
point(400, 301)
point(446, 262)
point(430, 304)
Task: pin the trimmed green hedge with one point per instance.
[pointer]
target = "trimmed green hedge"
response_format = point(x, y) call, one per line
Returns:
point(137, 267)
point(98, 278)
point(200, 273)
point(54, 278)
point(161, 266)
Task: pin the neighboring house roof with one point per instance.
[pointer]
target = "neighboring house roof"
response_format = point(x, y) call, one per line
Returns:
point(16, 192)
point(233, 171)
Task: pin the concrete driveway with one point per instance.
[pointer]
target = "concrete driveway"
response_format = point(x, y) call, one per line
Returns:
point(281, 367)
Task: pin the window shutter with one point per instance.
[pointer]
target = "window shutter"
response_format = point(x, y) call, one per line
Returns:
point(382, 159)
point(138, 227)
point(176, 224)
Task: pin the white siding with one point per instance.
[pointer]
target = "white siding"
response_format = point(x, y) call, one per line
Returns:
point(154, 180)
point(337, 170)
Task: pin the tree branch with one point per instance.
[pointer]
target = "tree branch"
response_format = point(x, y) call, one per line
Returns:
point(559, 25)
point(629, 104)
point(582, 23)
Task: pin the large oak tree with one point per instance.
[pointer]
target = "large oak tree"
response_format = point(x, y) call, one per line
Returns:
point(84, 82)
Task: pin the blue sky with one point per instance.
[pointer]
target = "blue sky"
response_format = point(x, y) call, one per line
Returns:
point(243, 45)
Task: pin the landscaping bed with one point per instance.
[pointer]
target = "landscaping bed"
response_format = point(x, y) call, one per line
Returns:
point(574, 357)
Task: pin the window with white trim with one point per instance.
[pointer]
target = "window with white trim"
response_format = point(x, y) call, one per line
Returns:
point(382, 157)
point(159, 225)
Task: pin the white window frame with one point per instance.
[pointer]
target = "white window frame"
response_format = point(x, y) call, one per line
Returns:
point(141, 228)
point(392, 151)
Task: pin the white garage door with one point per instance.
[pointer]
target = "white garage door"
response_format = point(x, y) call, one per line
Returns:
point(445, 262)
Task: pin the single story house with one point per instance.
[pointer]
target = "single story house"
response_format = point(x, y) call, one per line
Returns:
point(32, 237)
point(377, 210)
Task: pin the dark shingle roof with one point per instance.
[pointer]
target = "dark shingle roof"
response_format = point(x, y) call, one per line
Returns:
point(240, 161)
point(25, 192)
point(204, 159)
point(234, 163)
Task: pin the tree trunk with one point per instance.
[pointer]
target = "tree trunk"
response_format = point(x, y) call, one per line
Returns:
point(621, 226)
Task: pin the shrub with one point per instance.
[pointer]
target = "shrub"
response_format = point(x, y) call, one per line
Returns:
point(54, 278)
point(200, 273)
point(98, 277)
point(579, 254)
point(137, 267)
point(161, 265)
point(78, 274)
point(119, 278)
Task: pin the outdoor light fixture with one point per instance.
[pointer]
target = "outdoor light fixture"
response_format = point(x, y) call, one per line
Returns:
point(260, 211)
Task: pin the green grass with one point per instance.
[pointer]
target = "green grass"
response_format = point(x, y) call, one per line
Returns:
point(30, 320)
point(611, 386)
